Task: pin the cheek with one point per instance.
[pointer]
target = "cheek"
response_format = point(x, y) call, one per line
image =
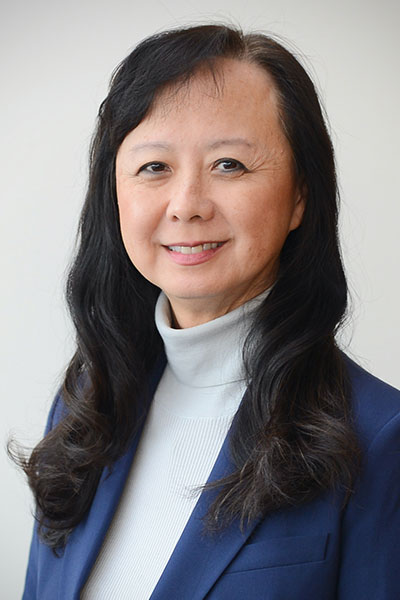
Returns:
point(136, 236)
point(137, 223)
point(266, 223)
point(263, 226)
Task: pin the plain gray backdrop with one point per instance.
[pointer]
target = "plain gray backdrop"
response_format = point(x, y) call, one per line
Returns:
point(56, 59)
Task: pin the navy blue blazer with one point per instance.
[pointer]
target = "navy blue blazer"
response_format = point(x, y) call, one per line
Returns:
point(317, 551)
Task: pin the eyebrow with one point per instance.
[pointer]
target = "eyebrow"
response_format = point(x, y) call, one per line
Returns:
point(238, 141)
point(150, 145)
point(161, 145)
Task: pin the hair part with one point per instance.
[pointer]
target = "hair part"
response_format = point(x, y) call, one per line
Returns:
point(292, 436)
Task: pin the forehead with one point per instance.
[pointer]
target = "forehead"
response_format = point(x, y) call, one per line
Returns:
point(227, 84)
point(233, 100)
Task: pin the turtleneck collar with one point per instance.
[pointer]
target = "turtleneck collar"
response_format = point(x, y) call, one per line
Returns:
point(210, 354)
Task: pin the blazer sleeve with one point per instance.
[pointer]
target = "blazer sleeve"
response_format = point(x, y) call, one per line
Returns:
point(30, 590)
point(370, 557)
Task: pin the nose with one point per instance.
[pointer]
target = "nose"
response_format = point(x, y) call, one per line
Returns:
point(190, 200)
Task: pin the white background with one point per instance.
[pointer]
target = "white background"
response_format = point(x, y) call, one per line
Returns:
point(56, 59)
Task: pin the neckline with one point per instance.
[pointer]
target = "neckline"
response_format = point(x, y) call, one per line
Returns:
point(209, 354)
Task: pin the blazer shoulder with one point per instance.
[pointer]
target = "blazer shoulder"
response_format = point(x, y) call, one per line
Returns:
point(374, 403)
point(57, 412)
point(59, 409)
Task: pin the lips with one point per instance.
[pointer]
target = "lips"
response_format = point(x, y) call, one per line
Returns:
point(188, 254)
point(195, 249)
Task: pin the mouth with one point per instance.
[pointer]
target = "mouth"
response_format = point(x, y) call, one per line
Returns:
point(194, 249)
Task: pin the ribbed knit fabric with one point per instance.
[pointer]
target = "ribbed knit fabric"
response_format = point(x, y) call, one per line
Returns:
point(191, 412)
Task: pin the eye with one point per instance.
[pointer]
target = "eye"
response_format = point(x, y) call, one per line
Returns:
point(153, 168)
point(228, 165)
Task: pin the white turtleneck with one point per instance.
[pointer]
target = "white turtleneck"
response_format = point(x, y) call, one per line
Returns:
point(193, 407)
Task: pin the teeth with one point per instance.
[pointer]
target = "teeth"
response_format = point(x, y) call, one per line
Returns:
point(195, 249)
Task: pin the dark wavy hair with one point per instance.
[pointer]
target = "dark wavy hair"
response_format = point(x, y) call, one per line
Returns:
point(292, 436)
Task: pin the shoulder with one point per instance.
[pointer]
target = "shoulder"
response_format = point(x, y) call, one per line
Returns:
point(375, 404)
point(59, 409)
point(369, 550)
point(57, 412)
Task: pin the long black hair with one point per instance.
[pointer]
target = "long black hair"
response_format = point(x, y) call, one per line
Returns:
point(292, 435)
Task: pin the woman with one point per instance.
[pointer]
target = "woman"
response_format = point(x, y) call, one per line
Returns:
point(212, 179)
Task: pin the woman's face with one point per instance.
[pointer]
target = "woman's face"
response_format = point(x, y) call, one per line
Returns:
point(206, 192)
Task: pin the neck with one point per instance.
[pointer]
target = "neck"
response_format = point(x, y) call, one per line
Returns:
point(192, 312)
point(210, 354)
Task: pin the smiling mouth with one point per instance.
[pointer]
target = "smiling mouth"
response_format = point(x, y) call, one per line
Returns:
point(195, 249)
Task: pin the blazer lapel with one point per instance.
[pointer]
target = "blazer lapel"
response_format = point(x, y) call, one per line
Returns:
point(199, 559)
point(86, 540)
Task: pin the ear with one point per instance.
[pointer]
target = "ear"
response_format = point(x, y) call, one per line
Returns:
point(299, 205)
